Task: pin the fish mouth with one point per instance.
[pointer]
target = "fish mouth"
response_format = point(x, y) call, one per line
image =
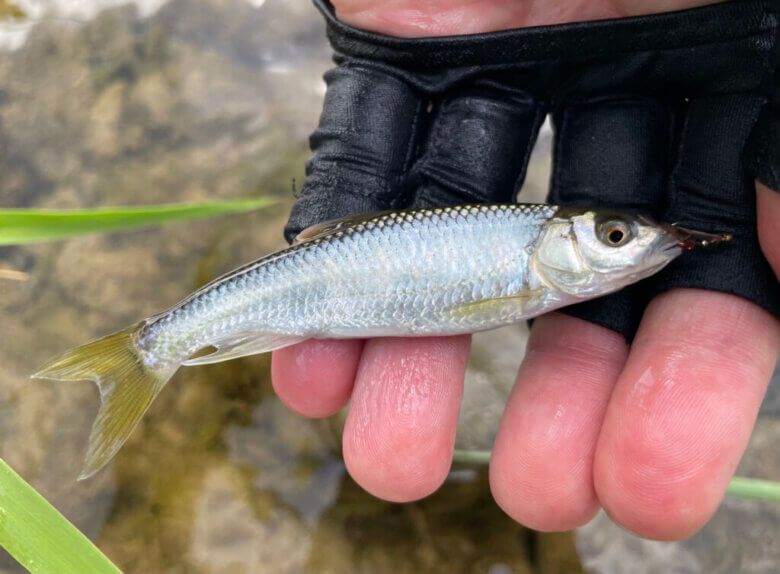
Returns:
point(689, 238)
point(686, 238)
point(672, 246)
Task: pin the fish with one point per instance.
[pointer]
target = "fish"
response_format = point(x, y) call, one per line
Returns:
point(418, 272)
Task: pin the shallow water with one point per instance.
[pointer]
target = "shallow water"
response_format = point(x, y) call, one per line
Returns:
point(184, 100)
point(202, 99)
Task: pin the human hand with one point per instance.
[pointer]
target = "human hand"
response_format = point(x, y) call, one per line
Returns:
point(652, 432)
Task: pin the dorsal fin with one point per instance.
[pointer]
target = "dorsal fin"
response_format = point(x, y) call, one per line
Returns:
point(326, 228)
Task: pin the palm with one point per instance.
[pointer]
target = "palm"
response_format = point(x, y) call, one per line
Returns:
point(651, 433)
point(444, 17)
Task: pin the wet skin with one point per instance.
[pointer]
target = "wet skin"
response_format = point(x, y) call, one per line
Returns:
point(652, 433)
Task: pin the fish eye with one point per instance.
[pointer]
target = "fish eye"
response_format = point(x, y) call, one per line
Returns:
point(614, 233)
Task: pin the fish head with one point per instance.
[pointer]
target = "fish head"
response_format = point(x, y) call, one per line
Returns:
point(586, 252)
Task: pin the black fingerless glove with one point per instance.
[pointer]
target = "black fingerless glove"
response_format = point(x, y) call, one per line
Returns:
point(652, 113)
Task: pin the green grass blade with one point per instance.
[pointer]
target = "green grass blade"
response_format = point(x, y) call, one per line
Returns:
point(471, 457)
point(740, 487)
point(754, 488)
point(39, 537)
point(34, 225)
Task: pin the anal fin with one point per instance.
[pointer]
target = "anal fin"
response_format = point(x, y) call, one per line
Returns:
point(243, 344)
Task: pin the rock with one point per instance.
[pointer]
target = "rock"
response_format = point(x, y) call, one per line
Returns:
point(771, 404)
point(228, 536)
point(495, 358)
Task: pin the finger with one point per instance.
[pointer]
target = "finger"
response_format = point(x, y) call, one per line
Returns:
point(542, 462)
point(682, 411)
point(613, 152)
point(718, 199)
point(361, 148)
point(477, 146)
point(315, 378)
point(768, 206)
point(400, 429)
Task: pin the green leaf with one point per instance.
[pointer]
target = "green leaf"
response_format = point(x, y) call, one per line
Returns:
point(39, 537)
point(34, 225)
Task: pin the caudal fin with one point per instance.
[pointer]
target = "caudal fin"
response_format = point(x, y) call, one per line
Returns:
point(127, 388)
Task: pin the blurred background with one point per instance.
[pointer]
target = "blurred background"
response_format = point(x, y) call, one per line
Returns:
point(105, 102)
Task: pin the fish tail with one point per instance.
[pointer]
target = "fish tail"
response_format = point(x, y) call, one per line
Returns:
point(127, 388)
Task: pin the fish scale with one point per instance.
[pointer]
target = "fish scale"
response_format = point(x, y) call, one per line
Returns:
point(337, 285)
point(440, 271)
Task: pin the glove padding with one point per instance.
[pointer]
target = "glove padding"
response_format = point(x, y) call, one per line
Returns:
point(651, 114)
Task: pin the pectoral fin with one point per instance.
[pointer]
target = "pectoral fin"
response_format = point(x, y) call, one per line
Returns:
point(515, 306)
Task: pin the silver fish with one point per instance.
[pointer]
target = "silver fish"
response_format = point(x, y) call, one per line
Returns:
point(406, 273)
